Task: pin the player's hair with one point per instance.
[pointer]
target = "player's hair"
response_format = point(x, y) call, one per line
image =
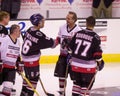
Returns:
point(3, 14)
point(74, 15)
point(13, 27)
point(90, 21)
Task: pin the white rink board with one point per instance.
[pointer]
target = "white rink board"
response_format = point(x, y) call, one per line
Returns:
point(59, 8)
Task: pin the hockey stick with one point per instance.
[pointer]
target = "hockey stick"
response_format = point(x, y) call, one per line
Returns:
point(28, 82)
point(66, 73)
point(48, 94)
point(92, 80)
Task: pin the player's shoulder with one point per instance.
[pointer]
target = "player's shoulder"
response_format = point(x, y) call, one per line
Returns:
point(96, 36)
point(1, 27)
point(81, 31)
point(78, 27)
point(5, 39)
point(35, 32)
point(39, 33)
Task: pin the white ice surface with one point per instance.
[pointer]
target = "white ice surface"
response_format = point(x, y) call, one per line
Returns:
point(108, 77)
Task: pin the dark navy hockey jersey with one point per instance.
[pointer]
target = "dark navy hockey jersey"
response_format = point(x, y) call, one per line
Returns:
point(34, 41)
point(3, 31)
point(85, 46)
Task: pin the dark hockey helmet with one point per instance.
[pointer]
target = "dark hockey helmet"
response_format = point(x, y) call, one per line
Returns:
point(36, 18)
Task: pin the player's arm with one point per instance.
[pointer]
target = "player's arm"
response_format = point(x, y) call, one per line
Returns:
point(98, 52)
point(1, 63)
point(19, 64)
point(72, 42)
point(45, 42)
point(3, 31)
point(56, 42)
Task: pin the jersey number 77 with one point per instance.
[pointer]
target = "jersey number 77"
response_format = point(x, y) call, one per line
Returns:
point(81, 43)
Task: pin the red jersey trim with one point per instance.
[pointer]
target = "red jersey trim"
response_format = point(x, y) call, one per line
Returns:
point(8, 66)
point(32, 63)
point(83, 70)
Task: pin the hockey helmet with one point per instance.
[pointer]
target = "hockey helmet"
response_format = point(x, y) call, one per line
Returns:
point(36, 18)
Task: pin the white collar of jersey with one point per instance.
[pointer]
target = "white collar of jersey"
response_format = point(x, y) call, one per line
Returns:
point(12, 40)
point(69, 30)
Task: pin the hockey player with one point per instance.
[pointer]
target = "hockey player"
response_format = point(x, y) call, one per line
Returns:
point(66, 32)
point(10, 52)
point(86, 51)
point(4, 19)
point(34, 41)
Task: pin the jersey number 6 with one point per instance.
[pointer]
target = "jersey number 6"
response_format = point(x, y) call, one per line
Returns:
point(26, 46)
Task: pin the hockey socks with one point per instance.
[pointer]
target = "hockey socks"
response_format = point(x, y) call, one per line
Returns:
point(79, 91)
point(62, 86)
point(26, 89)
point(26, 92)
point(7, 88)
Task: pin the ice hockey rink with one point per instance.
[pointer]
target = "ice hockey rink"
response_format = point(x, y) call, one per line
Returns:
point(107, 81)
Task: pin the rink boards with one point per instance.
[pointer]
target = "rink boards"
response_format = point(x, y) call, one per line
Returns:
point(53, 59)
point(108, 29)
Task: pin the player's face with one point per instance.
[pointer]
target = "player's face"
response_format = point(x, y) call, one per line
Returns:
point(18, 32)
point(69, 19)
point(42, 22)
point(6, 20)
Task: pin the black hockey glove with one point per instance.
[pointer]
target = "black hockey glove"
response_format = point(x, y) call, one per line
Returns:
point(20, 66)
point(100, 65)
point(1, 66)
point(65, 42)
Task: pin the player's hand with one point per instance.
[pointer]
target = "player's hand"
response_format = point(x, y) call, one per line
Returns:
point(57, 40)
point(1, 66)
point(100, 65)
point(65, 43)
point(20, 66)
point(55, 43)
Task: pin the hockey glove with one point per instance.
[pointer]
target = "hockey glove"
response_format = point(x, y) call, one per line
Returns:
point(56, 42)
point(20, 66)
point(100, 65)
point(1, 66)
point(65, 42)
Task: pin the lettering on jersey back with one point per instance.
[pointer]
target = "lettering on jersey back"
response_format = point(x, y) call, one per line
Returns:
point(84, 36)
point(30, 37)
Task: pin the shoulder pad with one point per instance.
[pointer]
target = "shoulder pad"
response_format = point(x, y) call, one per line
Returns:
point(1, 27)
point(39, 34)
point(97, 37)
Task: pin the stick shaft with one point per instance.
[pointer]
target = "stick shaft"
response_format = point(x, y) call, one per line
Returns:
point(28, 82)
point(42, 85)
point(92, 80)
